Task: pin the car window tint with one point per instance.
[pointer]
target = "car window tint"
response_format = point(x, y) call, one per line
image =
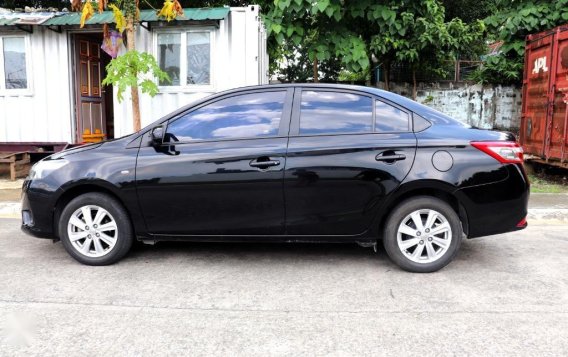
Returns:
point(242, 116)
point(389, 118)
point(333, 112)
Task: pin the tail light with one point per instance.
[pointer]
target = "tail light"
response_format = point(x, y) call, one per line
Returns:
point(506, 152)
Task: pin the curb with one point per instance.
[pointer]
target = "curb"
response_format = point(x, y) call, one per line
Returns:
point(10, 209)
point(548, 216)
point(536, 216)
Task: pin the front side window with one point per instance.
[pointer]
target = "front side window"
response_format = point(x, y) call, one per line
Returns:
point(324, 112)
point(242, 116)
point(185, 57)
point(13, 63)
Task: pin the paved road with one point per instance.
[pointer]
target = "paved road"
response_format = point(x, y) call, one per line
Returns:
point(505, 295)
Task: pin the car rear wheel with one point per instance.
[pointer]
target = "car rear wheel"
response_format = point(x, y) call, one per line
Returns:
point(95, 229)
point(422, 234)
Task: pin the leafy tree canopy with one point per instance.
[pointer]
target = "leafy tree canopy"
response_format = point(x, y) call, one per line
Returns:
point(511, 23)
point(364, 33)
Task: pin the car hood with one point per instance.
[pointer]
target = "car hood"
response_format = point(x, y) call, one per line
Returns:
point(74, 150)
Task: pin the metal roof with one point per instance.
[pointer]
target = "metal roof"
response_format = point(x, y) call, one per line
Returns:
point(106, 17)
point(18, 18)
point(8, 21)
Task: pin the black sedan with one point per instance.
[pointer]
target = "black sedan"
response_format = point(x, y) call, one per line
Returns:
point(289, 163)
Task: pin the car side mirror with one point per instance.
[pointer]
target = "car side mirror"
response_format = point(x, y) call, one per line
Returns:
point(157, 135)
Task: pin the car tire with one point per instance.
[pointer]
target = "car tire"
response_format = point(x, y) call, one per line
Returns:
point(102, 239)
point(422, 234)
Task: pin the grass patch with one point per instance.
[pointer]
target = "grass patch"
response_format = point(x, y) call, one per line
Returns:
point(541, 184)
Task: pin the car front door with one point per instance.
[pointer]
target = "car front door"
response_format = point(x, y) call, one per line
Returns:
point(347, 152)
point(220, 168)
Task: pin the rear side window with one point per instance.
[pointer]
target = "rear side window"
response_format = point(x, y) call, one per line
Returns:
point(390, 119)
point(242, 116)
point(324, 112)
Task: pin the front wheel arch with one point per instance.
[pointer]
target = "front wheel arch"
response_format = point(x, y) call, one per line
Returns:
point(106, 236)
point(77, 191)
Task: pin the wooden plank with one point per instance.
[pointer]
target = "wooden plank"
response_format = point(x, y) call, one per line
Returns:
point(13, 171)
point(19, 163)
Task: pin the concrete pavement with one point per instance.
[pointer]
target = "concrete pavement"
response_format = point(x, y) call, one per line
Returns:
point(503, 295)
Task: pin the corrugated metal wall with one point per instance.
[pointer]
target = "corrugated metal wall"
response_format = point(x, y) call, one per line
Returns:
point(44, 113)
point(236, 60)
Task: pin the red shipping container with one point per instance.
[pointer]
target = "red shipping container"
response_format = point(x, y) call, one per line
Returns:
point(544, 120)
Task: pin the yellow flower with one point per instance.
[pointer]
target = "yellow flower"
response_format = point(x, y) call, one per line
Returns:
point(170, 10)
point(118, 18)
point(87, 12)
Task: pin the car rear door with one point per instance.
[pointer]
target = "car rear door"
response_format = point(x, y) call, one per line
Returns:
point(220, 169)
point(347, 152)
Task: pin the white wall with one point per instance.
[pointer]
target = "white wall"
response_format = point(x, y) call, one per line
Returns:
point(42, 114)
point(46, 113)
point(238, 59)
point(487, 107)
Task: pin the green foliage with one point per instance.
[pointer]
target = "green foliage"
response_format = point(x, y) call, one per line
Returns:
point(359, 33)
point(428, 99)
point(469, 10)
point(347, 76)
point(134, 69)
point(511, 23)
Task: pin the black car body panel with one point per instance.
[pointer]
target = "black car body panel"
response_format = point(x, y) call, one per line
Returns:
point(332, 187)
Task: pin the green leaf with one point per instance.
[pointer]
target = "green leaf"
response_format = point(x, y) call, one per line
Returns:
point(322, 4)
point(132, 69)
point(337, 15)
point(297, 39)
point(329, 11)
point(276, 28)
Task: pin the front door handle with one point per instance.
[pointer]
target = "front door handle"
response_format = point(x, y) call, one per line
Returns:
point(390, 158)
point(264, 164)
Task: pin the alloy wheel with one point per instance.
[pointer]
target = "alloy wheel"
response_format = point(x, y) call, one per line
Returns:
point(424, 236)
point(92, 231)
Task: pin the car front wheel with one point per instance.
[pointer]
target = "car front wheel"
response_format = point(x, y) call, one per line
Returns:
point(422, 234)
point(95, 229)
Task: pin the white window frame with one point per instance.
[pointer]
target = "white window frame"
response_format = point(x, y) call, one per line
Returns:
point(184, 87)
point(27, 48)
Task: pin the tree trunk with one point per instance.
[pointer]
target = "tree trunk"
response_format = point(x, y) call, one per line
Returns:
point(134, 89)
point(386, 72)
point(374, 81)
point(316, 72)
point(413, 83)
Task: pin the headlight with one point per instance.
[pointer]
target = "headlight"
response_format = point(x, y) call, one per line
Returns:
point(45, 167)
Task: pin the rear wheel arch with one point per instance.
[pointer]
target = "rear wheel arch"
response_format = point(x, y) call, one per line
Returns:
point(423, 234)
point(436, 189)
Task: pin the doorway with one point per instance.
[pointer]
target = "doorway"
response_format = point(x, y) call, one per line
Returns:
point(93, 102)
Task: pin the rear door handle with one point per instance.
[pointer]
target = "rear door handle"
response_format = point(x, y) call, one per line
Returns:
point(390, 158)
point(264, 164)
